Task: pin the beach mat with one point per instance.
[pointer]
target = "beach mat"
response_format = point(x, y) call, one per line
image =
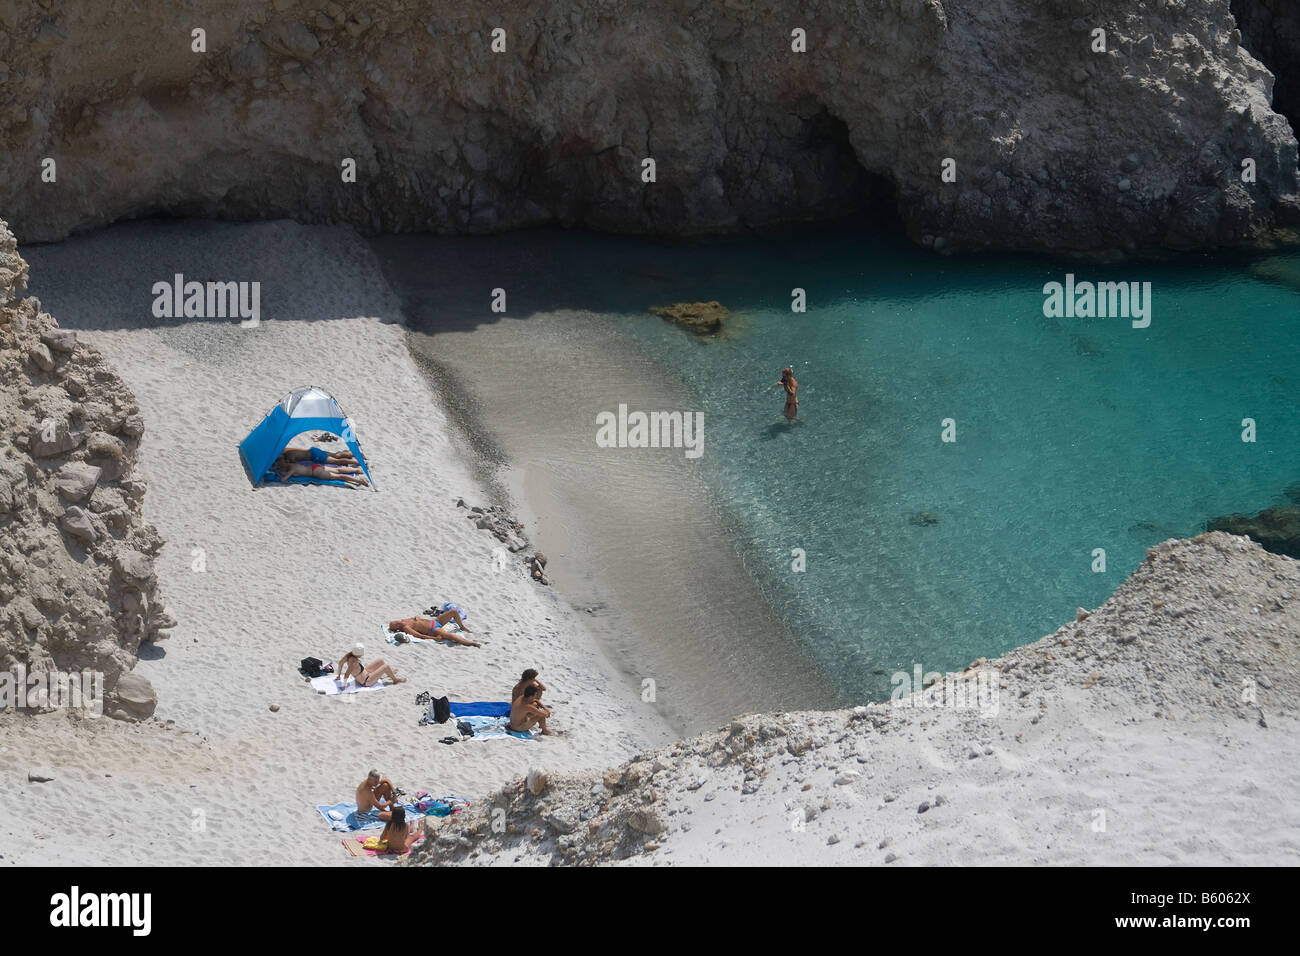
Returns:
point(489, 728)
point(482, 708)
point(355, 846)
point(327, 685)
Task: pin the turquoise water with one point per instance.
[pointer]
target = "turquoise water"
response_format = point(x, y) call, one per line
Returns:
point(1072, 434)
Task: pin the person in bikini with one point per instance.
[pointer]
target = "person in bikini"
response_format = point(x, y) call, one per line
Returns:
point(376, 793)
point(526, 711)
point(290, 469)
point(367, 675)
point(433, 628)
point(319, 455)
point(791, 388)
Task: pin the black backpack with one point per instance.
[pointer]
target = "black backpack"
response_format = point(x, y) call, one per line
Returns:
point(311, 666)
point(439, 708)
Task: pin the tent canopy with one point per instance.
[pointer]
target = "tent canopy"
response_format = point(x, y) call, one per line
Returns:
point(302, 410)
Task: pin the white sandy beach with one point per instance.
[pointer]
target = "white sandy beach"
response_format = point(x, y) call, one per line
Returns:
point(216, 777)
point(1135, 712)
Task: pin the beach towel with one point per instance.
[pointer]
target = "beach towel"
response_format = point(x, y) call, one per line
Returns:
point(487, 728)
point(327, 685)
point(344, 817)
point(356, 846)
point(481, 708)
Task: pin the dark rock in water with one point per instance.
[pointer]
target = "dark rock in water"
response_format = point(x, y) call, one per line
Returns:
point(923, 518)
point(1085, 346)
point(1292, 493)
point(703, 318)
point(1276, 529)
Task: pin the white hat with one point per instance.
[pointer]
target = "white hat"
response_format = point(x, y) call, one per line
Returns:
point(358, 650)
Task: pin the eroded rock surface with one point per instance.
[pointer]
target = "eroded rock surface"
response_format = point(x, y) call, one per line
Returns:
point(1055, 145)
point(77, 586)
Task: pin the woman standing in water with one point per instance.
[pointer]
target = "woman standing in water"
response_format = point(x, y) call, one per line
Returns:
point(791, 394)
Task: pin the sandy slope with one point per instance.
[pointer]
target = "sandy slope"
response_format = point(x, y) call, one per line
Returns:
point(287, 573)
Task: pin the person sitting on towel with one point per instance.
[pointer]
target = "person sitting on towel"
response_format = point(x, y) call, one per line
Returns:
point(350, 665)
point(319, 455)
point(285, 470)
point(526, 680)
point(433, 628)
point(376, 793)
point(527, 711)
point(399, 836)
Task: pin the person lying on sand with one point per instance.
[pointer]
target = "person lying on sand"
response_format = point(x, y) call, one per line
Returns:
point(527, 711)
point(432, 628)
point(376, 793)
point(319, 455)
point(399, 836)
point(526, 680)
point(367, 676)
point(351, 474)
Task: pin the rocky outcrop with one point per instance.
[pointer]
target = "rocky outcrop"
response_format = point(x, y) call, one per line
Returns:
point(1206, 630)
point(1054, 144)
point(702, 318)
point(78, 591)
point(1270, 30)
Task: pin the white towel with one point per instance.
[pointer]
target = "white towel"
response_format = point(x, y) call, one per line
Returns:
point(327, 685)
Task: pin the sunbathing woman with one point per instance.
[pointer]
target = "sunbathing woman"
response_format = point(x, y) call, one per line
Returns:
point(432, 628)
point(319, 455)
point(351, 474)
point(526, 710)
point(367, 676)
point(399, 836)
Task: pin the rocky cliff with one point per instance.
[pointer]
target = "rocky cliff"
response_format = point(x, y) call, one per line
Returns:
point(1056, 141)
point(78, 590)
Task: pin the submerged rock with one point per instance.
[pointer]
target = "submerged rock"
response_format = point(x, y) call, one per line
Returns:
point(923, 518)
point(703, 318)
point(1276, 529)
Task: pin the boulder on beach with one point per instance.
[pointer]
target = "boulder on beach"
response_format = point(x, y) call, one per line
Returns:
point(702, 318)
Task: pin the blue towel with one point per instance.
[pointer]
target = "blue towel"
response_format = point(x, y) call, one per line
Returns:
point(492, 708)
point(485, 728)
point(361, 821)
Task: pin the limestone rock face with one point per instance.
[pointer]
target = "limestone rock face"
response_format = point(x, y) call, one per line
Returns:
point(1054, 145)
point(78, 590)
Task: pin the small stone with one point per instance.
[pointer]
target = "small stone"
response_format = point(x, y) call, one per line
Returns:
point(923, 807)
point(1081, 614)
point(41, 357)
point(846, 778)
point(891, 857)
point(275, 708)
point(76, 480)
point(39, 776)
point(61, 340)
point(833, 839)
point(76, 522)
point(537, 780)
point(1125, 185)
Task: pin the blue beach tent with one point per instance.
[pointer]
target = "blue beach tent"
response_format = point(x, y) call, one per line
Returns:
point(302, 410)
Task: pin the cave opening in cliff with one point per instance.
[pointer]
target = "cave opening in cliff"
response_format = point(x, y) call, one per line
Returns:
point(1270, 31)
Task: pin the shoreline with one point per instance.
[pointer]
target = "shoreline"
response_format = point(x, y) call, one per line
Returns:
point(629, 535)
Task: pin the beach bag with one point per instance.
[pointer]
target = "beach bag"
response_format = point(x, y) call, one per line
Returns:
point(439, 709)
point(312, 667)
